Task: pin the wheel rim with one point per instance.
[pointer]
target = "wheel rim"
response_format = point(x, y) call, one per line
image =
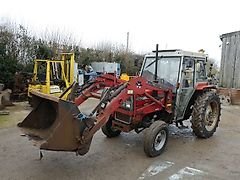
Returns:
point(211, 116)
point(160, 140)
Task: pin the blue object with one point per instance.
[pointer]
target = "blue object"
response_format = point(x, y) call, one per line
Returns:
point(81, 117)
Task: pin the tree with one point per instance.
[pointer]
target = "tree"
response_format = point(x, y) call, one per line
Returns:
point(18, 49)
point(8, 55)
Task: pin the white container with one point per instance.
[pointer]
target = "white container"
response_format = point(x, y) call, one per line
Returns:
point(106, 67)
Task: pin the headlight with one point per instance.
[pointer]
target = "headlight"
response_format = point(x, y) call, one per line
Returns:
point(128, 104)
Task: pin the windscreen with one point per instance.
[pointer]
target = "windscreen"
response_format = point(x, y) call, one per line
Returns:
point(167, 72)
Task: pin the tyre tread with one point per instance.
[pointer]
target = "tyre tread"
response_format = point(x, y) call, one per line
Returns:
point(198, 113)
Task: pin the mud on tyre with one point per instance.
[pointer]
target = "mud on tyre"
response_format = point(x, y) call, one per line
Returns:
point(206, 114)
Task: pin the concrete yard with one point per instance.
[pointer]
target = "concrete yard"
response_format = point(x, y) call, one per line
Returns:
point(186, 157)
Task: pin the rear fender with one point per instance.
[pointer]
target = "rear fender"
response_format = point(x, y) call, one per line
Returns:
point(201, 86)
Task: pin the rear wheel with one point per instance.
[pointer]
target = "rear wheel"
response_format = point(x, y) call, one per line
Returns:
point(110, 131)
point(206, 114)
point(155, 138)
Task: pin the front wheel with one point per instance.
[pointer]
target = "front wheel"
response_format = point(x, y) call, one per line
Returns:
point(110, 131)
point(206, 114)
point(155, 138)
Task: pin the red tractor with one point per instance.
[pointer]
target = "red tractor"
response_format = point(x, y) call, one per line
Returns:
point(172, 87)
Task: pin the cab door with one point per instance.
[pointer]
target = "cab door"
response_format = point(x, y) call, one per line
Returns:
point(186, 88)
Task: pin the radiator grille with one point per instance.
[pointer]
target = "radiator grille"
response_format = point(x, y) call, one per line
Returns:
point(123, 118)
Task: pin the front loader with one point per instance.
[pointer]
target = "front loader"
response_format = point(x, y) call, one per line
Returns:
point(171, 88)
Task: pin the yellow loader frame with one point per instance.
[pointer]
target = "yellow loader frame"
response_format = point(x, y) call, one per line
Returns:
point(66, 62)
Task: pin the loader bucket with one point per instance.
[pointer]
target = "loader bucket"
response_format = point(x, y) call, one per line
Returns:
point(53, 126)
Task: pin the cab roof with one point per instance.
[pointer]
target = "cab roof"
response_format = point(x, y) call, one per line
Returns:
point(177, 52)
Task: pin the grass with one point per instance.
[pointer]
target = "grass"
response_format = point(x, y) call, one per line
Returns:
point(16, 114)
point(4, 120)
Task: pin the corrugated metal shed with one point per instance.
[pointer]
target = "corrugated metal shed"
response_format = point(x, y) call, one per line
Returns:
point(230, 60)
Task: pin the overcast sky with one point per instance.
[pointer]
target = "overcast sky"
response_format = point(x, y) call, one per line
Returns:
point(182, 24)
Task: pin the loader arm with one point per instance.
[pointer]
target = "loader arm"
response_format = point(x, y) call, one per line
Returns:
point(91, 88)
point(104, 109)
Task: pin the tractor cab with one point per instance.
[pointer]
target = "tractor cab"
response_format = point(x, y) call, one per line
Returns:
point(181, 71)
